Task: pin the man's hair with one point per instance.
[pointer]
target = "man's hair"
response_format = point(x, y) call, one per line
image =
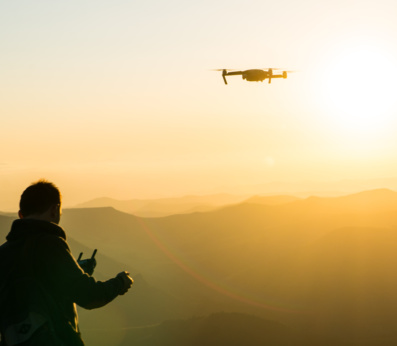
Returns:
point(39, 197)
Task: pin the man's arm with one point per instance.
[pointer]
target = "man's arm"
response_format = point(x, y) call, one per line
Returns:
point(64, 274)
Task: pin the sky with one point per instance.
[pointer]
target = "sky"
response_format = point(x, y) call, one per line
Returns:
point(119, 98)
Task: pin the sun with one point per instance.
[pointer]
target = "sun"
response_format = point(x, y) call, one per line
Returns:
point(358, 89)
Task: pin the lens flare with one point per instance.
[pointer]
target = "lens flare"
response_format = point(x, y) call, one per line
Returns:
point(205, 281)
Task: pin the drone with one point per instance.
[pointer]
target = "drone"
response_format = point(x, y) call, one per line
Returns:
point(255, 75)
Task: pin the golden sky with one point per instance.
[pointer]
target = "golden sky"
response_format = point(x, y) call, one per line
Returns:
point(117, 98)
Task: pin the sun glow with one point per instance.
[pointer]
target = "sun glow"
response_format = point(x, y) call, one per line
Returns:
point(359, 90)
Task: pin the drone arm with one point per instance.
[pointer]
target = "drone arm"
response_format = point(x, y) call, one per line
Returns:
point(234, 73)
point(284, 75)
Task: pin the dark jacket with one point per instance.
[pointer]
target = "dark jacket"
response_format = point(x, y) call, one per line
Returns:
point(37, 256)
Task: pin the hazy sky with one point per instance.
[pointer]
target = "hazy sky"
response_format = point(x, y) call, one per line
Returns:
point(117, 98)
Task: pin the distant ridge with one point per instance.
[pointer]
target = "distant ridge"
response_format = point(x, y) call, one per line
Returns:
point(314, 188)
point(165, 206)
point(272, 200)
point(371, 201)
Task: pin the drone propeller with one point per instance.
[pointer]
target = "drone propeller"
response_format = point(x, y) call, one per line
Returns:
point(278, 69)
point(271, 68)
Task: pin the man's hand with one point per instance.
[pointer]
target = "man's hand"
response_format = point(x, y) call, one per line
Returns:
point(88, 265)
point(127, 281)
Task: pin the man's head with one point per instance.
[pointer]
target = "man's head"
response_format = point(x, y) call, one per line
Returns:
point(41, 200)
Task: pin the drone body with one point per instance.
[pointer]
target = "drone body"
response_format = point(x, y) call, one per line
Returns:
point(254, 75)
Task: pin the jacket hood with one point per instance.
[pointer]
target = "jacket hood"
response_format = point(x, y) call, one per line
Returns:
point(23, 228)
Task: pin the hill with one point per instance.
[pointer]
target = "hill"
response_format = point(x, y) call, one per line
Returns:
point(5, 225)
point(165, 206)
point(221, 329)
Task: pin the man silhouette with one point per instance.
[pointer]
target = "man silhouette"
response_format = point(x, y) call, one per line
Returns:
point(40, 280)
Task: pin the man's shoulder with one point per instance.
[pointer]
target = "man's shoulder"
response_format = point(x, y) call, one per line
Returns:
point(52, 243)
point(26, 229)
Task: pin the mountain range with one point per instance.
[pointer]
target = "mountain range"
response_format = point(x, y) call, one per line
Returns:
point(164, 206)
point(319, 271)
